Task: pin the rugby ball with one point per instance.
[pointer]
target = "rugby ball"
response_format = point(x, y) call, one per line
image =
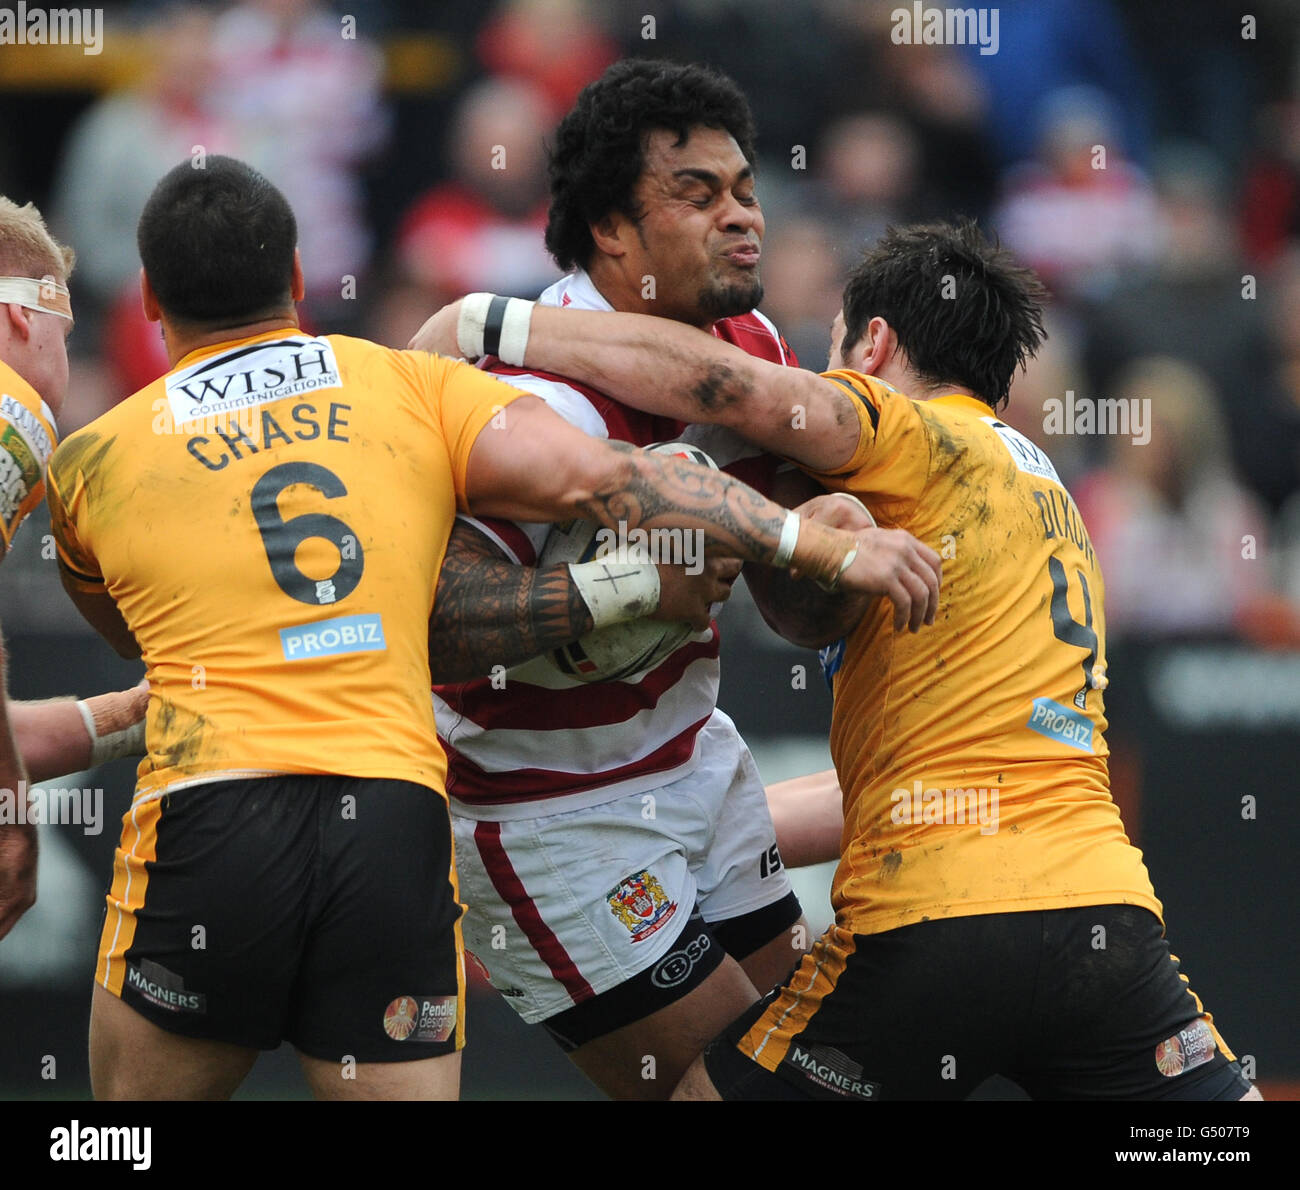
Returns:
point(616, 651)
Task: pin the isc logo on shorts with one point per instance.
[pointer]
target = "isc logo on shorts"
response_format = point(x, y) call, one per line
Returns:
point(345, 634)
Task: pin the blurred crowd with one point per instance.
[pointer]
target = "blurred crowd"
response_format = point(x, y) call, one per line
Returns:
point(1144, 158)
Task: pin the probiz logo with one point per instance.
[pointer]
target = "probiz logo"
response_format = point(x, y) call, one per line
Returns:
point(1061, 724)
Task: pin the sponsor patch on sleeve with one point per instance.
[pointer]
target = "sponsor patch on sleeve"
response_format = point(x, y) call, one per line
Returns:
point(831, 657)
point(25, 449)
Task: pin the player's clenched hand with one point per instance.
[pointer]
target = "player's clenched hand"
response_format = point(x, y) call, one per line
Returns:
point(690, 597)
point(839, 510)
point(438, 334)
point(891, 562)
point(17, 873)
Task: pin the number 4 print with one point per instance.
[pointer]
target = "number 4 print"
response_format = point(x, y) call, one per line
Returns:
point(1069, 630)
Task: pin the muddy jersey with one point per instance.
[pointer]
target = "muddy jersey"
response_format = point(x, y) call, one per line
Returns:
point(269, 518)
point(972, 754)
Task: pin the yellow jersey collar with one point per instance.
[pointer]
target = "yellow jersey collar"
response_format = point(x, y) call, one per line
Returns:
point(963, 401)
point(285, 332)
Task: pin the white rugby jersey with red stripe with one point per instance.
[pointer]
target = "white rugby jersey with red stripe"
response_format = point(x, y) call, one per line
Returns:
point(549, 738)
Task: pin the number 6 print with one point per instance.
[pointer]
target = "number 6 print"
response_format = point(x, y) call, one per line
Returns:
point(282, 538)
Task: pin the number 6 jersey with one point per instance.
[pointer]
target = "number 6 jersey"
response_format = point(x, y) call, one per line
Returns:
point(269, 518)
point(972, 754)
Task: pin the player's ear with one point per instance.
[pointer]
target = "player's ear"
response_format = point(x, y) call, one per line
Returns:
point(299, 288)
point(149, 299)
point(607, 234)
point(19, 320)
point(877, 346)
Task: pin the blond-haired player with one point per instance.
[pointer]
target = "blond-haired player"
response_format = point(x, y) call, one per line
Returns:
point(59, 735)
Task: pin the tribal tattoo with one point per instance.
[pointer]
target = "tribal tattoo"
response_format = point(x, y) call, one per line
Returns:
point(656, 490)
point(488, 611)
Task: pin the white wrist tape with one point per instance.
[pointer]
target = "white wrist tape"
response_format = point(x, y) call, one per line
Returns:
point(616, 592)
point(110, 723)
point(491, 325)
point(789, 538)
point(505, 333)
point(831, 587)
point(469, 326)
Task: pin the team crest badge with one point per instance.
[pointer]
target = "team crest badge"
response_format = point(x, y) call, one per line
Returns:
point(641, 904)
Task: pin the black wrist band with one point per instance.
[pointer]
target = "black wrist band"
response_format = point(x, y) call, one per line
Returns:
point(496, 316)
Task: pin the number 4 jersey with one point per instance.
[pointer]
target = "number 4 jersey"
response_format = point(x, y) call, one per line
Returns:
point(269, 518)
point(972, 753)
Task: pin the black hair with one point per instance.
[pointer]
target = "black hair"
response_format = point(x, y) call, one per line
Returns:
point(598, 154)
point(216, 240)
point(964, 311)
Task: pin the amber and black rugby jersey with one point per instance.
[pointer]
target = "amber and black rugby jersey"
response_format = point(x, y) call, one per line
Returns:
point(972, 754)
point(270, 517)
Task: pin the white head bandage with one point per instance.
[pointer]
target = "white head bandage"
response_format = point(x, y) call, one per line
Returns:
point(45, 294)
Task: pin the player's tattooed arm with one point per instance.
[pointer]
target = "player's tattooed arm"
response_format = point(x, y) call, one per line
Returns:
point(655, 489)
point(678, 371)
point(488, 611)
point(532, 465)
point(796, 609)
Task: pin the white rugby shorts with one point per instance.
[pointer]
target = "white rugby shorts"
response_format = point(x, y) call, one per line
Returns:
point(565, 906)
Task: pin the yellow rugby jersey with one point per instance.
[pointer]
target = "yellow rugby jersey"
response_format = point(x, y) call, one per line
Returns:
point(972, 754)
point(27, 439)
point(270, 517)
